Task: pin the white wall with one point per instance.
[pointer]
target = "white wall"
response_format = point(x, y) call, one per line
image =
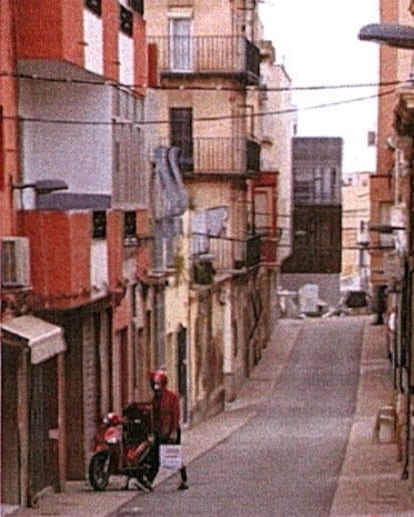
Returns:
point(126, 59)
point(93, 36)
point(69, 135)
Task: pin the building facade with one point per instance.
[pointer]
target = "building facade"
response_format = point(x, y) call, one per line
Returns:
point(317, 216)
point(72, 105)
point(355, 273)
point(390, 237)
point(207, 98)
point(274, 205)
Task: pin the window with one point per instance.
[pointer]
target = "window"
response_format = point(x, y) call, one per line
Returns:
point(99, 225)
point(95, 6)
point(180, 45)
point(137, 6)
point(125, 20)
point(385, 240)
point(333, 179)
point(130, 225)
point(181, 135)
point(262, 215)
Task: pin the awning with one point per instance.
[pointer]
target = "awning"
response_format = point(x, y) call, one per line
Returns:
point(43, 338)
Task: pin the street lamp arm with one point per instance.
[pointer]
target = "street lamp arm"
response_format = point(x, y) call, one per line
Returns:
point(384, 228)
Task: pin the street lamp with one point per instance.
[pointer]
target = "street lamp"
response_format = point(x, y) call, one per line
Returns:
point(385, 228)
point(391, 34)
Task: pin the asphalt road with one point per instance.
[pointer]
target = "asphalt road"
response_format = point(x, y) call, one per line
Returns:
point(286, 461)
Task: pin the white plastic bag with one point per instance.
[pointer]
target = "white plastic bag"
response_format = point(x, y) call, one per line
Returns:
point(171, 456)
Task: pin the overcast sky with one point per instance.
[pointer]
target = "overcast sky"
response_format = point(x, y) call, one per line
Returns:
point(318, 43)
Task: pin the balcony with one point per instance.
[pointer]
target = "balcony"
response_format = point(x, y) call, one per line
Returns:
point(250, 252)
point(228, 254)
point(180, 3)
point(268, 250)
point(221, 156)
point(231, 56)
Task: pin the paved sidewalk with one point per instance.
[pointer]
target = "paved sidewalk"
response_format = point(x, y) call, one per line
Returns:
point(371, 479)
point(370, 483)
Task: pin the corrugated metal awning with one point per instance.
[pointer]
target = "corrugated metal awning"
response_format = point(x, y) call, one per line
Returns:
point(43, 338)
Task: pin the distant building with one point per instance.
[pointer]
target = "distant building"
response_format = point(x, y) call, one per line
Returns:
point(355, 231)
point(317, 213)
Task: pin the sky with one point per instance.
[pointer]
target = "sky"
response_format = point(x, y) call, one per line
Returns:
point(317, 41)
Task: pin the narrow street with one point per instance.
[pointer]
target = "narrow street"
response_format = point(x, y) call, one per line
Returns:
point(286, 460)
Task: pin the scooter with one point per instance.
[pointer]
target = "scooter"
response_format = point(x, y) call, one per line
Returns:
point(123, 446)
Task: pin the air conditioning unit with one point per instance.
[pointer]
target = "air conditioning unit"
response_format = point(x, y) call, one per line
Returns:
point(15, 262)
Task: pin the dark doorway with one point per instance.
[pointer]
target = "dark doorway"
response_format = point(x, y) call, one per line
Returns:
point(10, 488)
point(182, 367)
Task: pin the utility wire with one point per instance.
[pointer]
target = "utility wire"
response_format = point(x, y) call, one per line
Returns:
point(203, 119)
point(259, 88)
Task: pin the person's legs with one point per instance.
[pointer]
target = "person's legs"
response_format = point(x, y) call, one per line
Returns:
point(154, 461)
point(183, 471)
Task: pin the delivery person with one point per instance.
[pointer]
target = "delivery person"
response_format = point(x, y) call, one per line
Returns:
point(166, 413)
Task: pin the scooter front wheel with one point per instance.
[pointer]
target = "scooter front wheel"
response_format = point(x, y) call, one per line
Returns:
point(99, 470)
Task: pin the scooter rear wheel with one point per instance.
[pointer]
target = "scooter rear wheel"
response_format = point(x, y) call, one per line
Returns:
point(99, 470)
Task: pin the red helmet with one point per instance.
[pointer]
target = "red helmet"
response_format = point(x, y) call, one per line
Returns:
point(158, 379)
point(113, 419)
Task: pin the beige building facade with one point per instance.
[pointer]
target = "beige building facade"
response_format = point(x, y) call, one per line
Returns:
point(208, 101)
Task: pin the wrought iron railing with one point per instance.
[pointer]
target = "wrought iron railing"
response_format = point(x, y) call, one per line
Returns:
point(229, 253)
point(251, 248)
point(218, 155)
point(180, 3)
point(208, 54)
point(309, 192)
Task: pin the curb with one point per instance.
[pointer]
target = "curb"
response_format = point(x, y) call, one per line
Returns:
point(370, 482)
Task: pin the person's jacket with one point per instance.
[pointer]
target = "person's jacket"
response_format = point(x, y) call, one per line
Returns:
point(166, 412)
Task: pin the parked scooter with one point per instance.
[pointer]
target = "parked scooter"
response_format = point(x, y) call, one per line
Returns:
point(122, 446)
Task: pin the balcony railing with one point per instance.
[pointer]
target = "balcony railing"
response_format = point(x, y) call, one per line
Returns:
point(309, 192)
point(250, 252)
point(268, 250)
point(237, 156)
point(229, 254)
point(217, 55)
point(180, 3)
